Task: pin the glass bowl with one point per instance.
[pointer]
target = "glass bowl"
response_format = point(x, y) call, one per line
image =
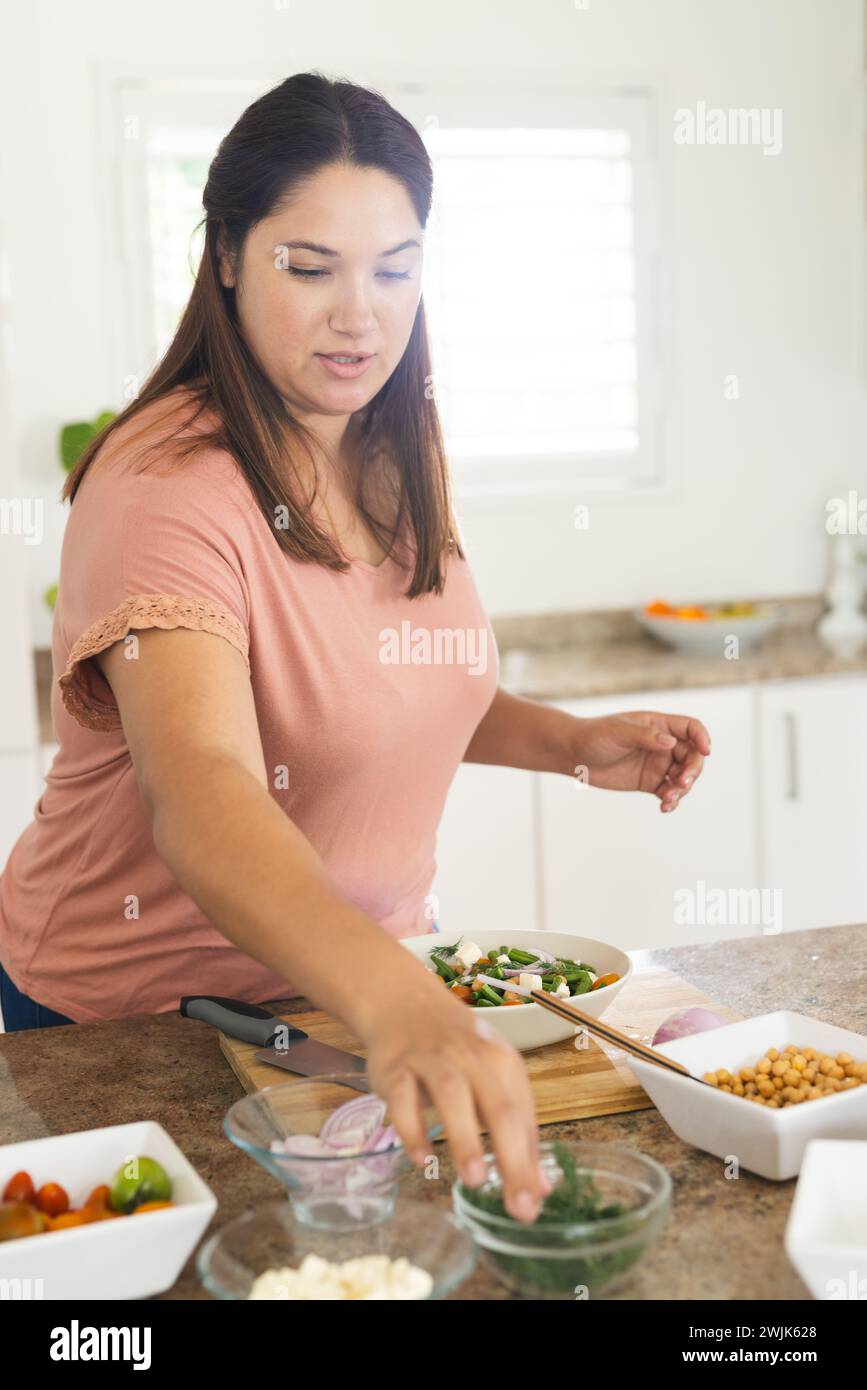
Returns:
point(272, 1238)
point(556, 1258)
point(334, 1191)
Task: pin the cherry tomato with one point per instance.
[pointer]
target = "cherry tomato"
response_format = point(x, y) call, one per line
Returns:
point(52, 1199)
point(19, 1188)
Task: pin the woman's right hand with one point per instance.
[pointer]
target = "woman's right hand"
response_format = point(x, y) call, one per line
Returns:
point(438, 1050)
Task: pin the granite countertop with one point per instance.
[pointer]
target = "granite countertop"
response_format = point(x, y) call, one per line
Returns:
point(725, 1238)
point(569, 656)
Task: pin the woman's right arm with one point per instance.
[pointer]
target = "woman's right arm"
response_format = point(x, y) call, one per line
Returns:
point(189, 719)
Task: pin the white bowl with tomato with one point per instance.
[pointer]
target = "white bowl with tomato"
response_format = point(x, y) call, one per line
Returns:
point(101, 1214)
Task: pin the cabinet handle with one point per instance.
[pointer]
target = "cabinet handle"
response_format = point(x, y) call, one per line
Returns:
point(792, 790)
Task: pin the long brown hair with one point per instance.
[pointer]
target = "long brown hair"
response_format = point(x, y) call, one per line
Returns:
point(288, 135)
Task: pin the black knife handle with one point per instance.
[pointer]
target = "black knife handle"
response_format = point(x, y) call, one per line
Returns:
point(249, 1022)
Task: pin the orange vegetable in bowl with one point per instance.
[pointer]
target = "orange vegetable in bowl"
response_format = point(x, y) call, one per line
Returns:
point(152, 1206)
point(461, 992)
point(99, 1197)
point(693, 612)
point(602, 980)
point(20, 1219)
point(658, 609)
point(67, 1219)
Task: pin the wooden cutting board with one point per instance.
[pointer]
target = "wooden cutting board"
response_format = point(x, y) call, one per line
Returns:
point(568, 1083)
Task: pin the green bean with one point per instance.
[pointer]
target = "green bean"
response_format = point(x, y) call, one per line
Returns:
point(444, 970)
point(490, 994)
point(521, 957)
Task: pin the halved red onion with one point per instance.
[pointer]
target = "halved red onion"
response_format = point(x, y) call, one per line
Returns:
point(686, 1022)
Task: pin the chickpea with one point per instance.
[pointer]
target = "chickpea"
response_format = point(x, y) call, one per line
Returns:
point(791, 1076)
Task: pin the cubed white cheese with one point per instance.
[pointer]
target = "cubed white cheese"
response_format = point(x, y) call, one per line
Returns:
point(504, 960)
point(563, 990)
point(468, 953)
point(530, 981)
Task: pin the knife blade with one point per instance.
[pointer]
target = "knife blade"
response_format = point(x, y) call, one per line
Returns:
point(281, 1044)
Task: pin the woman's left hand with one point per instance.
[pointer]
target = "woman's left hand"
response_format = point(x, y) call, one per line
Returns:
point(642, 751)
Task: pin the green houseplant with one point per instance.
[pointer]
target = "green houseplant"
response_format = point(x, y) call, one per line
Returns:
point(72, 442)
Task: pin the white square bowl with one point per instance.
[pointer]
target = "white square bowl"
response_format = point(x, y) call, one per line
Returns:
point(133, 1257)
point(768, 1142)
point(826, 1235)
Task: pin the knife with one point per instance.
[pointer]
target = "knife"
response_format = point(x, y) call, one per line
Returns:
point(281, 1044)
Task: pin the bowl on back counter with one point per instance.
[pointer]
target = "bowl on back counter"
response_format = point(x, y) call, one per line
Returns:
point(594, 972)
point(713, 629)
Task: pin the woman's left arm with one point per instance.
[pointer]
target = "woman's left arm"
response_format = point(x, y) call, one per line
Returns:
point(639, 751)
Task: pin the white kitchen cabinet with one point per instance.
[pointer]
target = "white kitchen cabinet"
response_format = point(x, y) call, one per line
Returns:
point(813, 758)
point(486, 860)
point(614, 867)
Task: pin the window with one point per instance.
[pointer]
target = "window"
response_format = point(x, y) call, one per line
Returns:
point(539, 271)
point(532, 300)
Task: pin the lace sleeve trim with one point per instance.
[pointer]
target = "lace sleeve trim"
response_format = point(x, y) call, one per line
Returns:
point(142, 611)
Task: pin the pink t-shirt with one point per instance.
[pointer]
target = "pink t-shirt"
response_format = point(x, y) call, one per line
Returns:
point(366, 702)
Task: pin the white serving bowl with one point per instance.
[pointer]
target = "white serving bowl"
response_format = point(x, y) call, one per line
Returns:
point(132, 1257)
point(768, 1142)
point(826, 1236)
point(530, 1025)
point(709, 636)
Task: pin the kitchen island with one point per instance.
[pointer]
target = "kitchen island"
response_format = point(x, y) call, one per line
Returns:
point(725, 1237)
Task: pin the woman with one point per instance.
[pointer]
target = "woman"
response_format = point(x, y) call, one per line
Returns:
point(247, 788)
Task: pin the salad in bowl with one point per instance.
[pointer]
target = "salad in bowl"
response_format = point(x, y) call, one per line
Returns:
point(491, 971)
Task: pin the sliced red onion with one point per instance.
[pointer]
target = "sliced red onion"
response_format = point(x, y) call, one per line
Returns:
point(354, 1122)
point(301, 1146)
point(383, 1139)
point(686, 1022)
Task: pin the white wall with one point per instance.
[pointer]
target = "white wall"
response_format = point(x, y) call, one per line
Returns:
point(765, 258)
